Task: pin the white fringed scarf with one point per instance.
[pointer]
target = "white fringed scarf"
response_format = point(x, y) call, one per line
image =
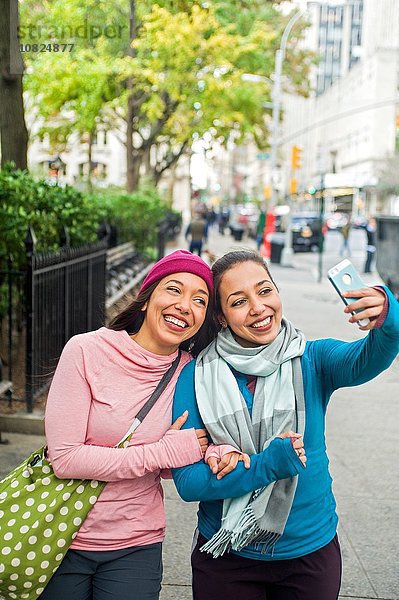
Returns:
point(258, 517)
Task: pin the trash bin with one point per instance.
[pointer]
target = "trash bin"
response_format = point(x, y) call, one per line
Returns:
point(388, 251)
point(276, 247)
point(237, 232)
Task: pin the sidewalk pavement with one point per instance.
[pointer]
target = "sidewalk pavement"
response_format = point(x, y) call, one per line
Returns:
point(361, 441)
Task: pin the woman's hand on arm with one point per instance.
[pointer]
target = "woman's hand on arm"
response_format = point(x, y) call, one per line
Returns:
point(200, 433)
point(197, 483)
point(223, 465)
point(297, 444)
point(225, 461)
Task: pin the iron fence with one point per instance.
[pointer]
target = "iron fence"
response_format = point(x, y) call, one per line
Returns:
point(62, 294)
point(65, 295)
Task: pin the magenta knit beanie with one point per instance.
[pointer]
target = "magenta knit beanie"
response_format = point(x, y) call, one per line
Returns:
point(180, 261)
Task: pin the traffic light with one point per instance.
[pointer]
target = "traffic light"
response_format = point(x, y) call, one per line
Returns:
point(296, 157)
point(293, 186)
point(267, 192)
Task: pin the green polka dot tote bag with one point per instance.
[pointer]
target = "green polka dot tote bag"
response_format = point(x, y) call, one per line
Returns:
point(40, 515)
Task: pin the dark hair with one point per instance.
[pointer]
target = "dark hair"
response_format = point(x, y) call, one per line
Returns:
point(132, 317)
point(228, 261)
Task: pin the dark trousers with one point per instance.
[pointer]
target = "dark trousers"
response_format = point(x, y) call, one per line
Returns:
point(131, 574)
point(196, 247)
point(369, 260)
point(316, 576)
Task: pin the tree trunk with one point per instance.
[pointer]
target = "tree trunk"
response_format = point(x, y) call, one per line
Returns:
point(133, 159)
point(13, 132)
point(90, 161)
point(147, 162)
point(132, 164)
point(133, 171)
point(133, 179)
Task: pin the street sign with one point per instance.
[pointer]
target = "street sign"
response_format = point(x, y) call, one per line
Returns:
point(263, 155)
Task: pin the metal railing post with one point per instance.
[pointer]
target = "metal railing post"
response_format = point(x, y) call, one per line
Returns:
point(161, 239)
point(10, 265)
point(30, 242)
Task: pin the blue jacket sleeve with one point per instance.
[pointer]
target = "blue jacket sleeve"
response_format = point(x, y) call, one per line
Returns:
point(197, 483)
point(345, 364)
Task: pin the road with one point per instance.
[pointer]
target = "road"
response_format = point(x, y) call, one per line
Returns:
point(331, 254)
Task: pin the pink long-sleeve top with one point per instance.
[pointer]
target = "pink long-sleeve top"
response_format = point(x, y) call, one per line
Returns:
point(102, 380)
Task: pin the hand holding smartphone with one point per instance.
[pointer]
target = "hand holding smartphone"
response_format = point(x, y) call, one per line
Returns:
point(344, 277)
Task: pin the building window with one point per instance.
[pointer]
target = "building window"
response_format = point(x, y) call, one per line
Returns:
point(330, 46)
point(356, 31)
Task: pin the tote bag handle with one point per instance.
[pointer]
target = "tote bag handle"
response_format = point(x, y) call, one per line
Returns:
point(143, 412)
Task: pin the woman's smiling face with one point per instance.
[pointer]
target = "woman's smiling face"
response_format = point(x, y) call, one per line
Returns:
point(251, 304)
point(174, 313)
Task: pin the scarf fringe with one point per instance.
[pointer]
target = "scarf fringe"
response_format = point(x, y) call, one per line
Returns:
point(219, 543)
point(247, 531)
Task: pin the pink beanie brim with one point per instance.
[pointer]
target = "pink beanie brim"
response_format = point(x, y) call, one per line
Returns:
point(180, 261)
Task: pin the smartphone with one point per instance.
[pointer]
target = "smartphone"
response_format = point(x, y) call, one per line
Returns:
point(344, 277)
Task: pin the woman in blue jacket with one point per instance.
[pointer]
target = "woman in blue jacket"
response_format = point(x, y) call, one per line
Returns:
point(269, 532)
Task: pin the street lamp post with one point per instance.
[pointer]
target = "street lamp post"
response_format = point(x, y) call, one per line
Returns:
point(286, 258)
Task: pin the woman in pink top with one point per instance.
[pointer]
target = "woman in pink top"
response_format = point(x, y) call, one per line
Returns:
point(102, 380)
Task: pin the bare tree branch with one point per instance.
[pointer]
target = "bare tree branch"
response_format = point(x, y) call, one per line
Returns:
point(168, 160)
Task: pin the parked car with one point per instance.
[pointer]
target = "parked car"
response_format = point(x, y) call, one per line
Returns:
point(306, 232)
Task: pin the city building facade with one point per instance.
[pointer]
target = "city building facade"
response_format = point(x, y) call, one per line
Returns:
point(348, 128)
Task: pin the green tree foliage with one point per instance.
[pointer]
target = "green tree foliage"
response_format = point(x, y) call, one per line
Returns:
point(188, 87)
point(135, 215)
point(46, 208)
point(180, 78)
point(263, 24)
point(26, 202)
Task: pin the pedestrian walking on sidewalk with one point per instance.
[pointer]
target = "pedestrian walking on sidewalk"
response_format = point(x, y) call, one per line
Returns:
point(371, 232)
point(345, 231)
point(197, 231)
point(102, 381)
point(260, 229)
point(270, 530)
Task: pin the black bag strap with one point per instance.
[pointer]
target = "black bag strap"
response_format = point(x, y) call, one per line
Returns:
point(159, 389)
point(152, 399)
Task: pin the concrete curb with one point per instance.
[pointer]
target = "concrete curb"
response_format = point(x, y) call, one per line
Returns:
point(30, 424)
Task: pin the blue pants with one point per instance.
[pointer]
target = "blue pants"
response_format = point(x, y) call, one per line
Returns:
point(131, 574)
